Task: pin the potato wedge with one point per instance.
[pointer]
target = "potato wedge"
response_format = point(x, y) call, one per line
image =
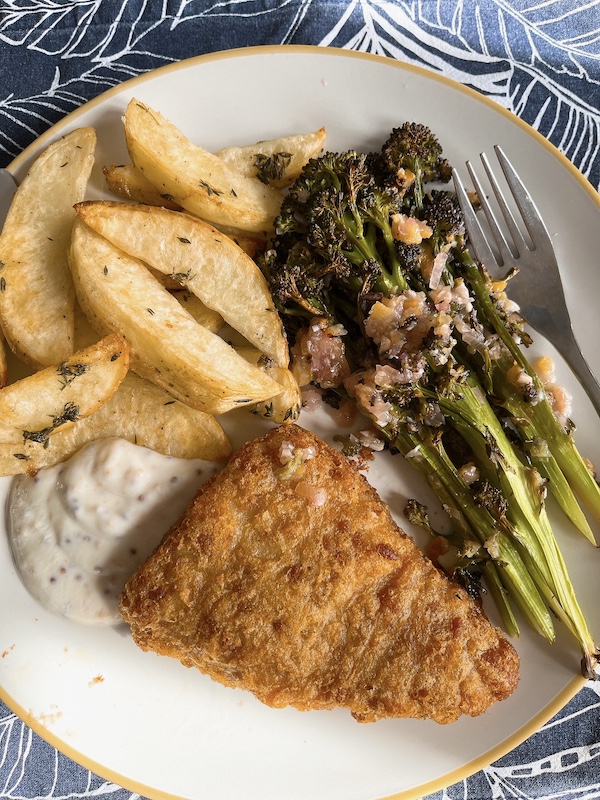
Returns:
point(138, 411)
point(201, 258)
point(128, 182)
point(194, 178)
point(285, 407)
point(168, 346)
point(203, 315)
point(249, 244)
point(35, 408)
point(277, 162)
point(3, 362)
point(36, 290)
point(85, 334)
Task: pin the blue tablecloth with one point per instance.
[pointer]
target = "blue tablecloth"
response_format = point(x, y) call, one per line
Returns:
point(539, 59)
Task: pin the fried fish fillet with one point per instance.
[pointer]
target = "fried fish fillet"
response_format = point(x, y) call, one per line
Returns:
point(288, 577)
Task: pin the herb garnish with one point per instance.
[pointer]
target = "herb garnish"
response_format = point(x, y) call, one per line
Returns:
point(210, 189)
point(70, 413)
point(68, 372)
point(182, 277)
point(268, 410)
point(271, 168)
point(292, 413)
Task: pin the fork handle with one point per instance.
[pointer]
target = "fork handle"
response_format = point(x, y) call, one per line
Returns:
point(569, 349)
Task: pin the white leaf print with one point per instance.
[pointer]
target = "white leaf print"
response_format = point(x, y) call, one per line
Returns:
point(19, 782)
point(517, 52)
point(78, 28)
point(538, 58)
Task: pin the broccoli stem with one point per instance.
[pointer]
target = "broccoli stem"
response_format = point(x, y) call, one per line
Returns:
point(365, 250)
point(537, 449)
point(398, 277)
point(476, 422)
point(540, 415)
point(533, 447)
point(477, 524)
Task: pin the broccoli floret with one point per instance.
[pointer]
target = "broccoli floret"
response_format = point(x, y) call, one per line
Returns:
point(342, 215)
point(444, 216)
point(413, 155)
point(300, 280)
point(470, 578)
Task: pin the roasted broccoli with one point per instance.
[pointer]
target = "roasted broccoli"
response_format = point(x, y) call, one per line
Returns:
point(371, 271)
point(414, 156)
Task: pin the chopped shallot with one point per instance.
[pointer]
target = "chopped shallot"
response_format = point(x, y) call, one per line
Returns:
point(372, 440)
point(439, 262)
point(312, 399)
point(319, 354)
point(409, 230)
point(469, 472)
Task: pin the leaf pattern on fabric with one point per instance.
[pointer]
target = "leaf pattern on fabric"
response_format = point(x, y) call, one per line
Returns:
point(55, 777)
point(537, 58)
point(552, 764)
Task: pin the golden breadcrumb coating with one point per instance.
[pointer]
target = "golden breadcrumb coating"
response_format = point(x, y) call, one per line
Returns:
point(294, 582)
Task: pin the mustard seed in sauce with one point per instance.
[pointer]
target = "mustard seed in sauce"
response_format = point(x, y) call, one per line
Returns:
point(80, 529)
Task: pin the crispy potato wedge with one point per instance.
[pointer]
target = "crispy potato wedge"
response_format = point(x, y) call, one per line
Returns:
point(201, 258)
point(285, 407)
point(35, 408)
point(3, 362)
point(168, 346)
point(138, 411)
point(85, 333)
point(203, 315)
point(36, 290)
point(128, 182)
point(249, 244)
point(194, 178)
point(277, 162)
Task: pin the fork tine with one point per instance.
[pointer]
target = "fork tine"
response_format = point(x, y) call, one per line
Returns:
point(505, 254)
point(515, 185)
point(472, 225)
point(529, 212)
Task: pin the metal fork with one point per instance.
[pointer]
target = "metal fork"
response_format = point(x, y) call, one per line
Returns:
point(537, 288)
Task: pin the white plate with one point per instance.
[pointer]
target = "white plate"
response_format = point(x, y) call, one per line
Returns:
point(162, 730)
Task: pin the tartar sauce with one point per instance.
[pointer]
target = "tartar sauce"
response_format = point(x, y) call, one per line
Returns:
point(80, 529)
